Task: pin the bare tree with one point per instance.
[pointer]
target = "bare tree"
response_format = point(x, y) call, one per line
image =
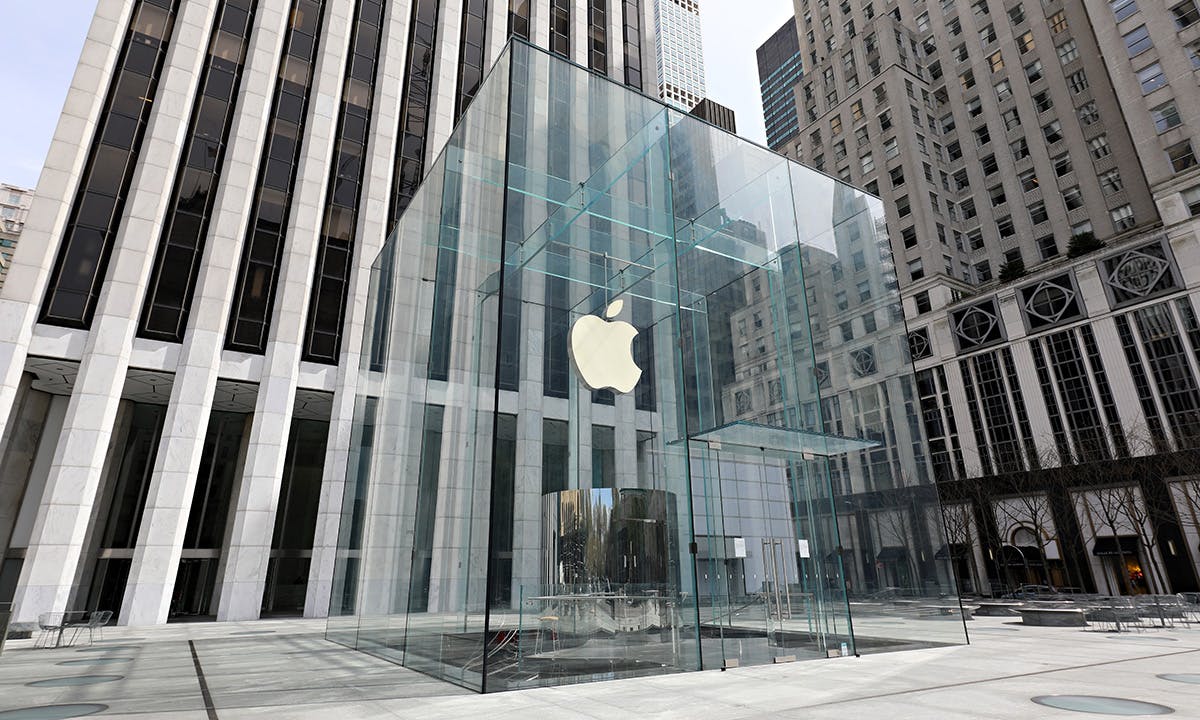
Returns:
point(956, 519)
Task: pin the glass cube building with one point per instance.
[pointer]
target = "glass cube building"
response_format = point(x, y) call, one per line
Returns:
point(535, 498)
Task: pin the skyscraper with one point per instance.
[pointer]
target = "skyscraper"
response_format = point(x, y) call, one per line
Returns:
point(1037, 166)
point(14, 207)
point(679, 52)
point(185, 312)
point(780, 66)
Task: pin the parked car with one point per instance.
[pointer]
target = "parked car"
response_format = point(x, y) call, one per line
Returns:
point(1031, 592)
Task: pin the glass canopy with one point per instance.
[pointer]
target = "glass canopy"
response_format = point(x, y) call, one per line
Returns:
point(635, 398)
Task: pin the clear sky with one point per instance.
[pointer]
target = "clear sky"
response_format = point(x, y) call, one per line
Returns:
point(42, 39)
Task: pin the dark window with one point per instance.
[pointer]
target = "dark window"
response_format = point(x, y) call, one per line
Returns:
point(181, 247)
point(331, 278)
point(262, 252)
point(598, 35)
point(518, 18)
point(470, 53)
point(560, 27)
point(414, 106)
point(83, 255)
point(633, 43)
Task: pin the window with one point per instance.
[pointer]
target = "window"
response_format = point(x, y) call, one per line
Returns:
point(897, 176)
point(902, 207)
point(1180, 156)
point(1151, 78)
point(987, 35)
point(868, 163)
point(1087, 113)
point(1110, 182)
point(1080, 228)
point(974, 107)
point(923, 21)
point(916, 269)
point(856, 110)
point(947, 122)
point(967, 79)
point(862, 136)
point(1099, 147)
point(909, 235)
point(922, 302)
point(1037, 212)
point(839, 151)
point(1077, 81)
point(1028, 180)
point(1062, 164)
point(835, 125)
point(1191, 198)
point(968, 209)
point(1005, 227)
point(1033, 71)
point(988, 162)
point(975, 239)
point(996, 61)
point(1193, 51)
point(1122, 8)
point(1053, 131)
point(1013, 255)
point(1042, 101)
point(960, 53)
point(1072, 198)
point(1122, 217)
point(1057, 22)
point(1137, 41)
point(1068, 51)
point(1185, 13)
point(1025, 42)
point(864, 290)
point(982, 136)
point(983, 271)
point(996, 195)
point(1016, 15)
point(891, 148)
point(885, 120)
point(1166, 116)
point(1003, 90)
point(1047, 247)
point(1011, 118)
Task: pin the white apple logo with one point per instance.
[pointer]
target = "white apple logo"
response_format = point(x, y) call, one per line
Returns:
point(602, 351)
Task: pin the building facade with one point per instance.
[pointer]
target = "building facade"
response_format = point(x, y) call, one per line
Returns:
point(185, 311)
point(717, 114)
point(14, 207)
point(780, 67)
point(679, 52)
point(1035, 237)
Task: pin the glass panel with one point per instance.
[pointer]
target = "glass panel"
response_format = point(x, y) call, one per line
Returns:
point(633, 448)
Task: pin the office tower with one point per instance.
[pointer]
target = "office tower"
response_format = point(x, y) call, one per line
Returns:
point(780, 67)
point(679, 52)
point(14, 207)
point(183, 317)
point(717, 114)
point(1036, 163)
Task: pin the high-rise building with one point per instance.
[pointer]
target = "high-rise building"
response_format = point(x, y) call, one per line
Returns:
point(14, 207)
point(1036, 162)
point(679, 52)
point(717, 114)
point(184, 314)
point(780, 66)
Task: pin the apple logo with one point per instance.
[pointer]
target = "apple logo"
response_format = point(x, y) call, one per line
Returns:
point(602, 351)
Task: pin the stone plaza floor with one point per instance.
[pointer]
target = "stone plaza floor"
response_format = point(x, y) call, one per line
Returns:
point(286, 669)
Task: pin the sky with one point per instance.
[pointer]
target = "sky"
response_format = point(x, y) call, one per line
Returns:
point(42, 42)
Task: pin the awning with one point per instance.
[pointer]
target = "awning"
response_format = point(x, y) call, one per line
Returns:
point(1020, 555)
point(953, 550)
point(1108, 545)
point(892, 552)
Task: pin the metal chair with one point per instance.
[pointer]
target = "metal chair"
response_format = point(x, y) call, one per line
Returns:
point(50, 625)
point(96, 622)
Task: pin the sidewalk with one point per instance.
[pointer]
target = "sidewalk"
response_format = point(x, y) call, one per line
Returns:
point(285, 669)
